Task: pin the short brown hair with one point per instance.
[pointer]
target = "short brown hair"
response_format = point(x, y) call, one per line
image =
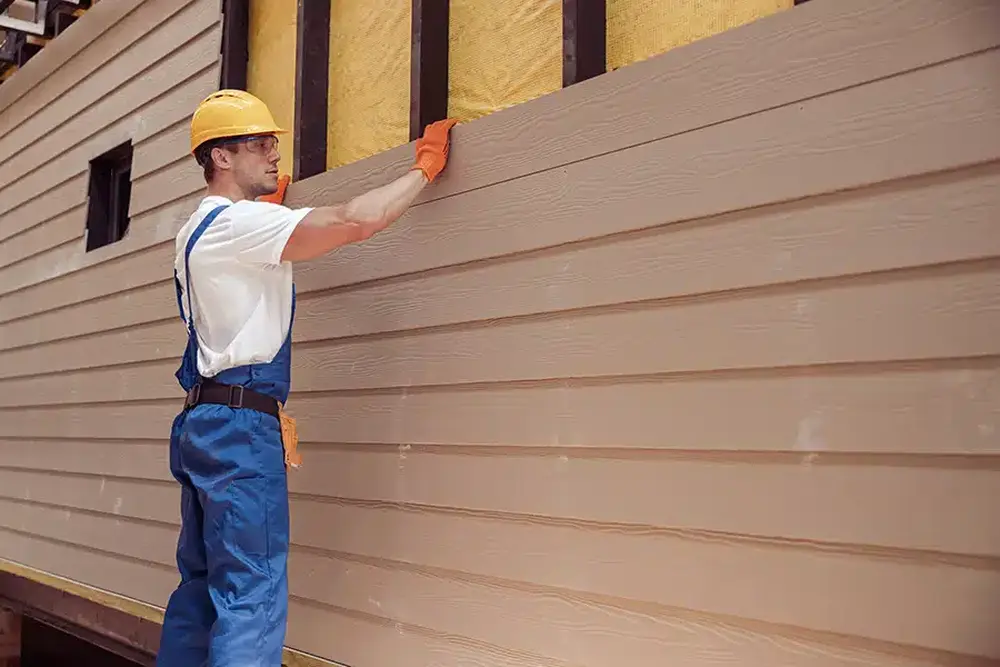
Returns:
point(203, 155)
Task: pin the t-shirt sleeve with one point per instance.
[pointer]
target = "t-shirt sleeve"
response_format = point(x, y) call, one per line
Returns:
point(260, 230)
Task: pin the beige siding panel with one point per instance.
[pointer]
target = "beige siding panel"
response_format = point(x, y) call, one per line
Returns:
point(51, 233)
point(319, 630)
point(542, 621)
point(500, 213)
point(917, 315)
point(50, 263)
point(717, 492)
point(933, 119)
point(810, 412)
point(159, 340)
point(177, 180)
point(194, 56)
point(563, 626)
point(158, 501)
point(169, 144)
point(777, 61)
point(701, 367)
point(140, 61)
point(160, 113)
point(802, 241)
point(144, 581)
point(45, 75)
point(109, 265)
point(920, 603)
point(739, 77)
point(136, 459)
point(610, 559)
point(69, 194)
point(924, 316)
point(162, 110)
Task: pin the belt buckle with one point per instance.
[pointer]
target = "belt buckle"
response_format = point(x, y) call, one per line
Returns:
point(232, 392)
point(192, 397)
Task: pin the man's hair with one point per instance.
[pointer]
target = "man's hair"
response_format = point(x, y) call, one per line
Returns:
point(203, 155)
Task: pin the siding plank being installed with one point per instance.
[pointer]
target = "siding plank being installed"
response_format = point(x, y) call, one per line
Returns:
point(695, 362)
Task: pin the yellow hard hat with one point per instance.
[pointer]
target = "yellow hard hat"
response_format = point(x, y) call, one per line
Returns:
point(231, 113)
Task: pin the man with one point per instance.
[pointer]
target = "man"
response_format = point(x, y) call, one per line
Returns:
point(230, 445)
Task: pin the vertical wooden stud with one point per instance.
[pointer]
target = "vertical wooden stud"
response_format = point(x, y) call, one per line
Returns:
point(584, 40)
point(235, 43)
point(428, 64)
point(312, 86)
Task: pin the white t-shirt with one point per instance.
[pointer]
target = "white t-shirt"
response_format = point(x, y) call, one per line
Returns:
point(241, 291)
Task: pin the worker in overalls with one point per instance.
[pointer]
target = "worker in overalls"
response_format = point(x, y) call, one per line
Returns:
point(232, 442)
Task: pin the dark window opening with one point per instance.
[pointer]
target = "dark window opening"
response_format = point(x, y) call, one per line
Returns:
point(109, 195)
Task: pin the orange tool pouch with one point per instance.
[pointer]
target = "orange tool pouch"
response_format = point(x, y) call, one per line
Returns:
point(289, 438)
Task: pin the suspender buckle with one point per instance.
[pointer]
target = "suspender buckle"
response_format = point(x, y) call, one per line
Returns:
point(234, 391)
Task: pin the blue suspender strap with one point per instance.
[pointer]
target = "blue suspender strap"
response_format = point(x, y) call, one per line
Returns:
point(195, 235)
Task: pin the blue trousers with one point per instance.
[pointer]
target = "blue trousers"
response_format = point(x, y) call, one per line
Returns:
point(231, 605)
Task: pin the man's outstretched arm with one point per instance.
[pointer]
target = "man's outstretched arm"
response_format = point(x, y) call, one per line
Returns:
point(328, 227)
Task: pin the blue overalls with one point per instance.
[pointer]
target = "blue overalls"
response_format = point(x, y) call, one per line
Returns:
point(231, 605)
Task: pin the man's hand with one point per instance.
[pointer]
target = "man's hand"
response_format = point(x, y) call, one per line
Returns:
point(279, 196)
point(432, 148)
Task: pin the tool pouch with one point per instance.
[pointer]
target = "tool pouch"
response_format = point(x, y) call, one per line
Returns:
point(289, 439)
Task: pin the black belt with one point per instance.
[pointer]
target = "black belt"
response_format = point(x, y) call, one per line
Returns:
point(232, 395)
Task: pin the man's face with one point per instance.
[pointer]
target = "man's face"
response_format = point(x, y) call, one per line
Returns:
point(255, 165)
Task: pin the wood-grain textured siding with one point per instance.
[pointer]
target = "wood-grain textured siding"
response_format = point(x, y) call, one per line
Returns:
point(693, 363)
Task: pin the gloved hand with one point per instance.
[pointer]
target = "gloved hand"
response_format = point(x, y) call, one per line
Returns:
point(432, 148)
point(279, 196)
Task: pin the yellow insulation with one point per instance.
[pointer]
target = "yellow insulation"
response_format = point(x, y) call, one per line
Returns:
point(369, 78)
point(639, 29)
point(502, 53)
point(271, 69)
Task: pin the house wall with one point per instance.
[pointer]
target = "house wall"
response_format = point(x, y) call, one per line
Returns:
point(692, 363)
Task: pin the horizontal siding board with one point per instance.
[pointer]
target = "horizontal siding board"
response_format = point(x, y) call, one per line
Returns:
point(714, 576)
point(753, 248)
point(169, 144)
point(563, 625)
point(924, 604)
point(494, 221)
point(55, 70)
point(139, 499)
point(52, 262)
point(926, 315)
point(808, 499)
point(41, 237)
point(917, 411)
point(75, 161)
point(317, 630)
point(890, 38)
point(768, 63)
point(932, 119)
point(69, 194)
point(137, 459)
point(159, 113)
point(177, 180)
point(146, 582)
point(120, 260)
point(805, 500)
point(141, 60)
point(195, 56)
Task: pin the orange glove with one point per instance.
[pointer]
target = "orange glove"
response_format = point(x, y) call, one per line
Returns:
point(432, 148)
point(279, 196)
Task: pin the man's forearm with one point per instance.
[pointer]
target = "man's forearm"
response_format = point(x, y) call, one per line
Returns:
point(376, 209)
point(329, 227)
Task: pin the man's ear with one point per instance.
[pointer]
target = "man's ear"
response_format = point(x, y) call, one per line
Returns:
point(223, 159)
